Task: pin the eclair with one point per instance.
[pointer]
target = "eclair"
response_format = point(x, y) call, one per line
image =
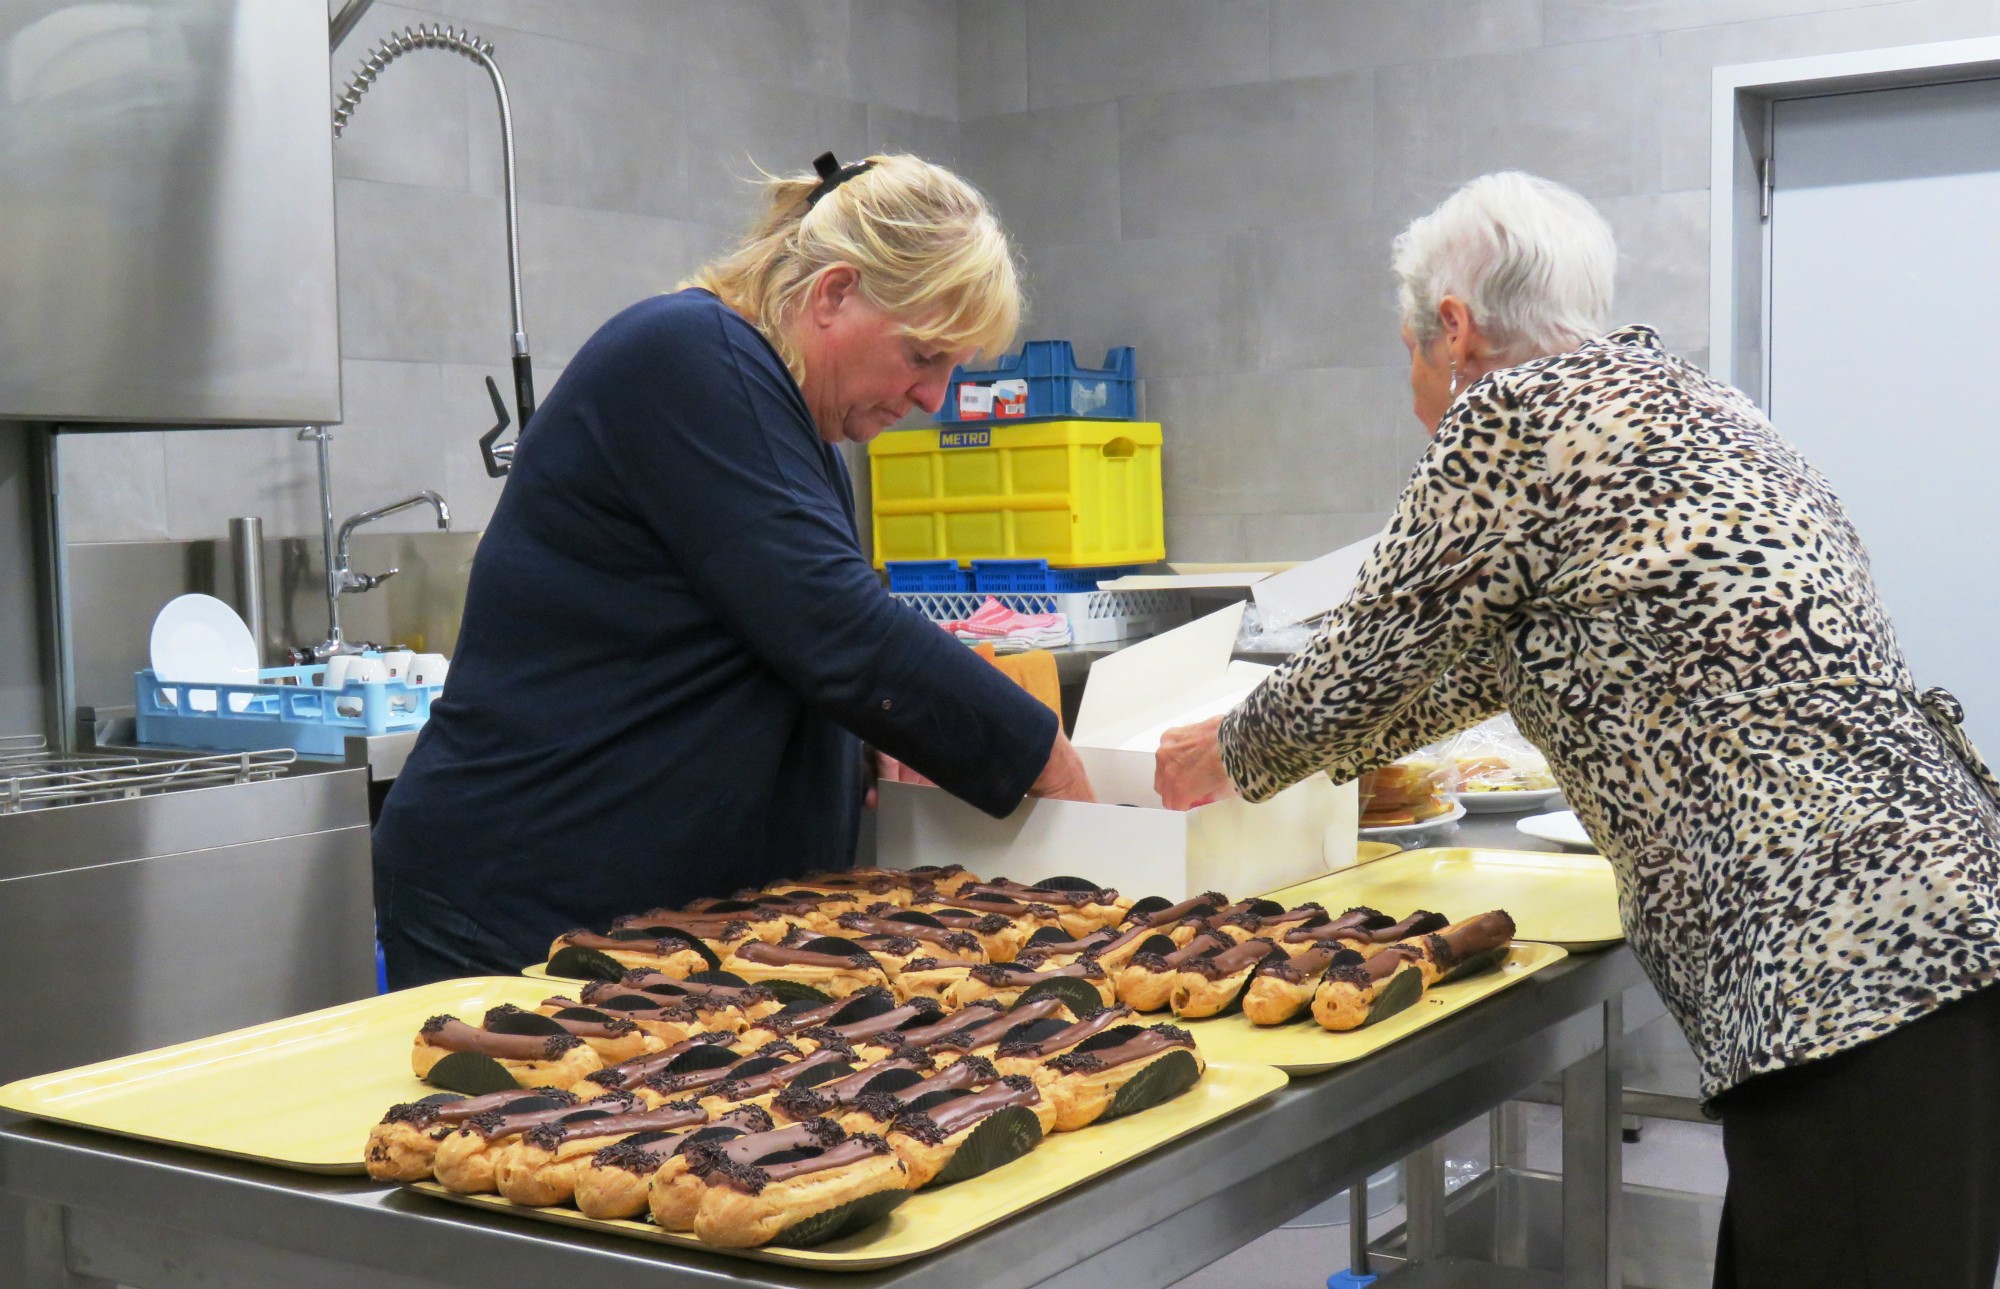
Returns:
point(1005, 981)
point(404, 1145)
point(929, 1139)
point(552, 1061)
point(672, 954)
point(876, 1109)
point(1146, 982)
point(467, 1157)
point(1208, 984)
point(1351, 995)
point(753, 1198)
point(834, 967)
point(613, 1038)
point(1091, 1081)
point(1461, 947)
point(540, 1167)
point(1280, 992)
point(613, 1184)
point(1027, 1048)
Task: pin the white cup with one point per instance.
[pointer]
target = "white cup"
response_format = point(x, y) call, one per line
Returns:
point(428, 669)
point(337, 669)
point(367, 669)
point(399, 661)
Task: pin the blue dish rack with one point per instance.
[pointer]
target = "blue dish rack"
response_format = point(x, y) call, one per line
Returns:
point(996, 577)
point(287, 708)
point(1058, 389)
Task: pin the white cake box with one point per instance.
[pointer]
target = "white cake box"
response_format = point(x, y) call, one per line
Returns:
point(1127, 839)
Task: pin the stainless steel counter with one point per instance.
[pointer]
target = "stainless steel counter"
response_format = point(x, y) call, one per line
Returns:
point(99, 1210)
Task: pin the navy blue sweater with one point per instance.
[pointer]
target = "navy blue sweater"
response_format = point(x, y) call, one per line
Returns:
point(671, 641)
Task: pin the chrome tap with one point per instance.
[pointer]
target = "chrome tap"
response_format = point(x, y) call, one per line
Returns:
point(345, 579)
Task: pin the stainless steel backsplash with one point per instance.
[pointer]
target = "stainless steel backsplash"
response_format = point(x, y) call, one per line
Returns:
point(117, 587)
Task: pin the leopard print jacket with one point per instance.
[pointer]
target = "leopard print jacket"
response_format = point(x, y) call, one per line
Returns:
point(1624, 553)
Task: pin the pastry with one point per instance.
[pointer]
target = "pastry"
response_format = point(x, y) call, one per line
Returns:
point(921, 1038)
point(981, 1039)
point(1121, 1071)
point(631, 1076)
point(933, 978)
point(1056, 948)
point(1356, 994)
point(836, 1097)
point(467, 1156)
point(1146, 982)
point(696, 1074)
point(1006, 981)
point(876, 1109)
point(833, 966)
point(402, 1147)
point(793, 1194)
point(1298, 939)
point(1080, 908)
point(720, 1006)
point(1209, 984)
point(674, 953)
point(1154, 911)
point(1461, 948)
point(673, 1194)
point(540, 1167)
point(999, 936)
point(535, 1061)
point(1283, 991)
point(755, 1083)
point(1027, 1047)
point(1371, 941)
point(1030, 915)
point(941, 941)
point(963, 1134)
point(613, 1038)
point(613, 1183)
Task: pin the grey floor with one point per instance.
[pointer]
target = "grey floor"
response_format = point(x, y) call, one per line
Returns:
point(1664, 1254)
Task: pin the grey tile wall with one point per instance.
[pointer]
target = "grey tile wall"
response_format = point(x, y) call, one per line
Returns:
point(1216, 181)
point(1266, 152)
point(638, 126)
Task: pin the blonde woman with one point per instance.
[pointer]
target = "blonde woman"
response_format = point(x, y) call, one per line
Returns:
point(1625, 554)
point(672, 645)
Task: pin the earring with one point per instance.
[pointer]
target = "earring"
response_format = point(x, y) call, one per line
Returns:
point(1454, 378)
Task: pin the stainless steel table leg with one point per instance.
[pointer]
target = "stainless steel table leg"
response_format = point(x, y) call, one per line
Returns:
point(1592, 1142)
point(1357, 1227)
point(1423, 1193)
point(1509, 1137)
point(41, 1260)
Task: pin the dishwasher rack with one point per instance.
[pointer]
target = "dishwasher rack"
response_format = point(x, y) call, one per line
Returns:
point(34, 778)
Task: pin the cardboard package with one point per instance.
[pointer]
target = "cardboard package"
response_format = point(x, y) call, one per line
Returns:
point(1127, 839)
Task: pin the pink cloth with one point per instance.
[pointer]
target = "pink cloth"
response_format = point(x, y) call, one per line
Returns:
point(1011, 632)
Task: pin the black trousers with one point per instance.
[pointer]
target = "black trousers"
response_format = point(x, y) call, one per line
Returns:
point(426, 938)
point(1877, 1167)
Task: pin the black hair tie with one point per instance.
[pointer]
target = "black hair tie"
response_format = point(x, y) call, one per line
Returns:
point(831, 175)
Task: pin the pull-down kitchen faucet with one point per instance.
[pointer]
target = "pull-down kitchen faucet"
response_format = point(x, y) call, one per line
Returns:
point(499, 456)
point(343, 570)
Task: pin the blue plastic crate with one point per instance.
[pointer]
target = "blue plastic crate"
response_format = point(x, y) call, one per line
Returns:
point(1035, 577)
point(927, 576)
point(1056, 387)
point(286, 709)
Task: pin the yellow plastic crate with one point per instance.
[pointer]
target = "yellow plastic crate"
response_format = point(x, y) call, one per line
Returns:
point(1075, 493)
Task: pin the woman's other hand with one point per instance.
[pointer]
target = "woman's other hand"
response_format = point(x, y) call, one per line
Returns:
point(1063, 777)
point(1188, 769)
point(885, 768)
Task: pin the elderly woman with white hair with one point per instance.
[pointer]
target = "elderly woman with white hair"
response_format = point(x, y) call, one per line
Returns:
point(1627, 556)
point(672, 644)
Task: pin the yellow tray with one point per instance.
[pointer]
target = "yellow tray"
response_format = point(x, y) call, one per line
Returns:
point(931, 1220)
point(1302, 1047)
point(1570, 900)
point(299, 1093)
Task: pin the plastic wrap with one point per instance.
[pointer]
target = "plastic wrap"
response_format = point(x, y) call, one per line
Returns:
point(1494, 757)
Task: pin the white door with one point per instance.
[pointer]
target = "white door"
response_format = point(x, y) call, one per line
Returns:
point(1885, 353)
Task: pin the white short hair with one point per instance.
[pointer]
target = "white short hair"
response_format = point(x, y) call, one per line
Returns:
point(1532, 260)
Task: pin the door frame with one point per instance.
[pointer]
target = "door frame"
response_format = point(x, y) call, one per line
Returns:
point(1739, 154)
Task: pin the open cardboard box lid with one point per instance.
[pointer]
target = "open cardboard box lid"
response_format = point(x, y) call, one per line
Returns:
point(1131, 698)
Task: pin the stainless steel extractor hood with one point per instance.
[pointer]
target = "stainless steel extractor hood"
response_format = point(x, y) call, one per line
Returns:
point(166, 213)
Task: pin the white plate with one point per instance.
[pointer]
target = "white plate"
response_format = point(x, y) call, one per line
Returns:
point(1502, 803)
point(1416, 833)
point(200, 639)
point(1559, 826)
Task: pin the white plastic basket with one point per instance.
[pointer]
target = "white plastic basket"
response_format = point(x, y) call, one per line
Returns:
point(1095, 617)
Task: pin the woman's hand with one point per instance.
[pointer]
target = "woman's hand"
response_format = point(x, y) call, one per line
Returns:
point(885, 768)
point(1063, 777)
point(1188, 769)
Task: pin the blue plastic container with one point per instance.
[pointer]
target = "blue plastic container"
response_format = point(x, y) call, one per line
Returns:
point(927, 576)
point(287, 709)
point(1035, 577)
point(1056, 387)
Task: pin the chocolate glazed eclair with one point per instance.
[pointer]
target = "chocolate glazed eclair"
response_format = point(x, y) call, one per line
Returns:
point(1207, 984)
point(540, 1167)
point(1090, 1080)
point(1460, 947)
point(614, 1183)
point(1283, 991)
point(929, 1140)
point(403, 1146)
point(751, 1198)
point(466, 1159)
point(1146, 983)
point(535, 1060)
point(1350, 996)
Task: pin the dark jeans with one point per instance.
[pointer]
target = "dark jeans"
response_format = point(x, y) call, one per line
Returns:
point(1877, 1167)
point(425, 937)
